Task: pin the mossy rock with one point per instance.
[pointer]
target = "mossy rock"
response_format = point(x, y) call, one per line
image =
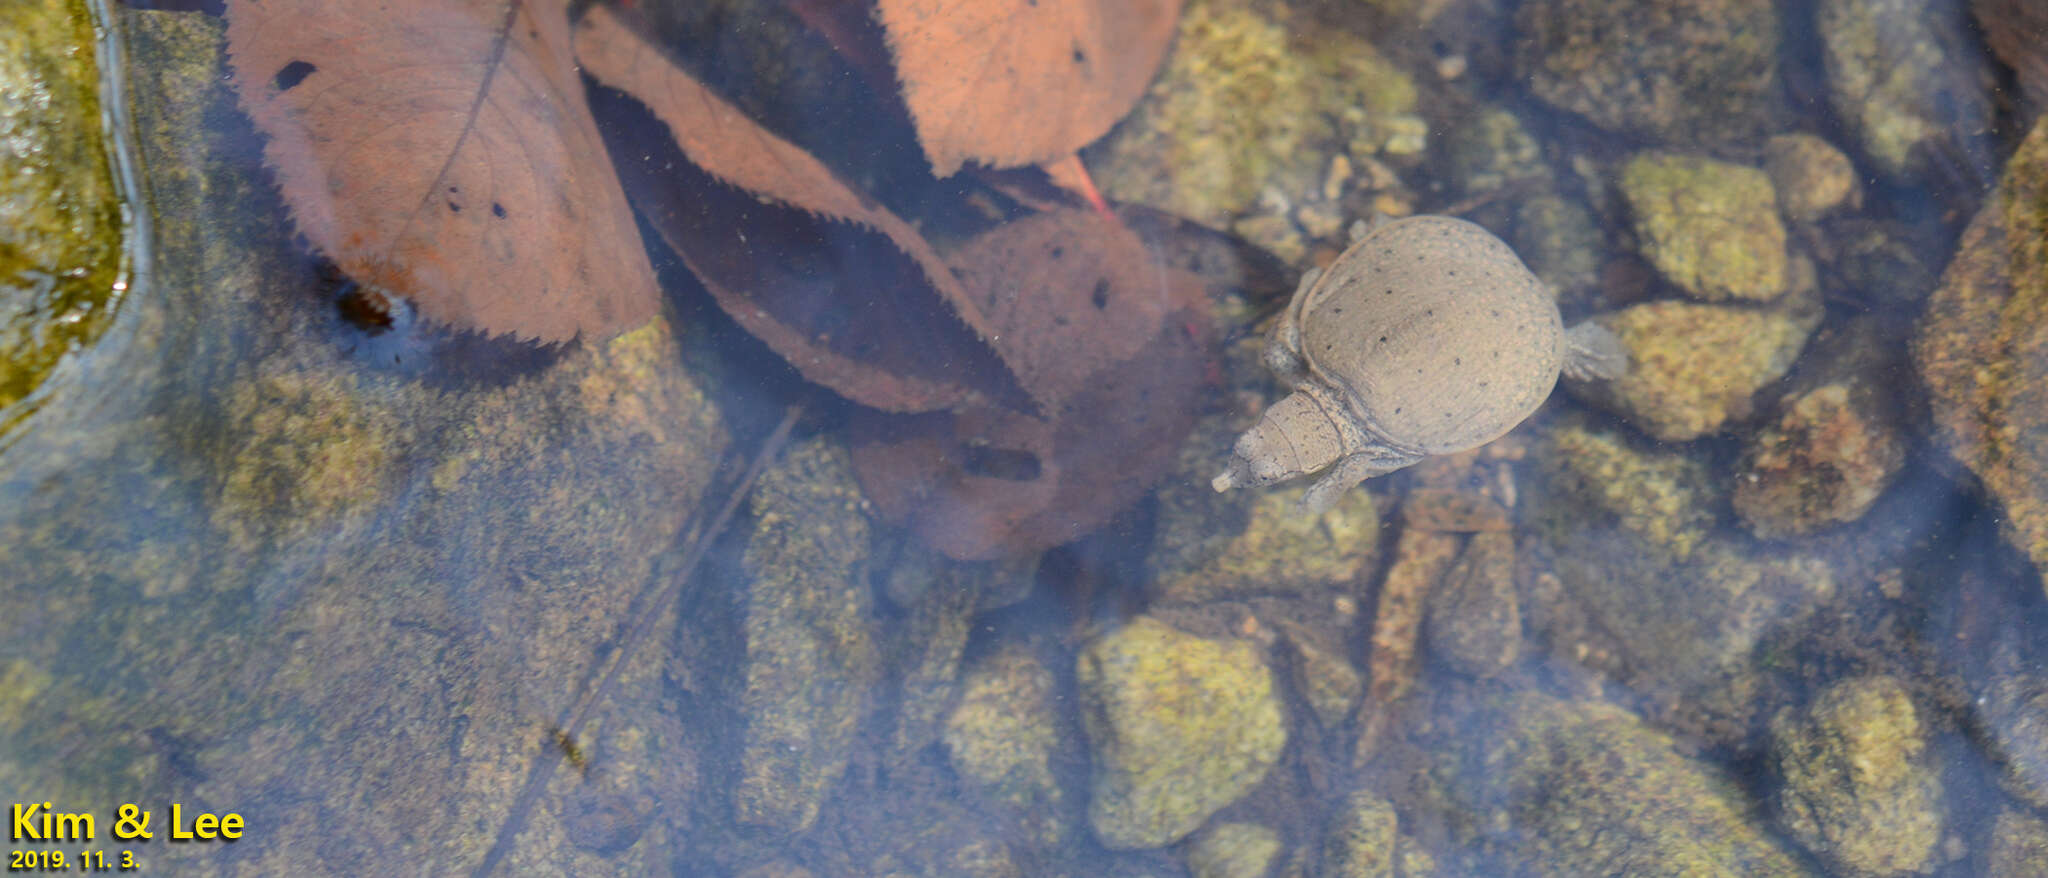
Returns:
point(1243, 105)
point(1694, 367)
point(1982, 348)
point(1711, 227)
point(1859, 786)
point(808, 635)
point(61, 256)
point(1689, 71)
point(1180, 727)
point(1585, 788)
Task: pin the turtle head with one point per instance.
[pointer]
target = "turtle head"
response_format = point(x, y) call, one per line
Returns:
point(1294, 437)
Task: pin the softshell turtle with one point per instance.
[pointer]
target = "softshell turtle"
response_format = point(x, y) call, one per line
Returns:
point(1427, 336)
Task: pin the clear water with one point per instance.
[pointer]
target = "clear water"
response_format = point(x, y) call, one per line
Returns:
point(408, 599)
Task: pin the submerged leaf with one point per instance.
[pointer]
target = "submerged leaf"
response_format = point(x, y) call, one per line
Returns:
point(1114, 348)
point(1020, 82)
point(442, 150)
point(849, 294)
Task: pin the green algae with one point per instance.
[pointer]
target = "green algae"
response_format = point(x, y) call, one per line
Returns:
point(60, 213)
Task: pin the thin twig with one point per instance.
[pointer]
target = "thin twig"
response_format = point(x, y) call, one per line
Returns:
point(545, 762)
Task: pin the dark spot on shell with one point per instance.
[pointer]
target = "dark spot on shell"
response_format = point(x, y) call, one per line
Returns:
point(1101, 295)
point(497, 210)
point(1383, 339)
point(292, 74)
point(454, 208)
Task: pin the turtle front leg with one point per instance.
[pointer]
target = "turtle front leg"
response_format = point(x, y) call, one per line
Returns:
point(1347, 472)
point(1283, 348)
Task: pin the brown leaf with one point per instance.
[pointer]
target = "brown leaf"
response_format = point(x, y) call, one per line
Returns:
point(1072, 294)
point(849, 294)
point(1020, 82)
point(1112, 346)
point(442, 150)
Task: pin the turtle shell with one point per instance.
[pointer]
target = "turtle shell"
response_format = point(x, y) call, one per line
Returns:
point(1437, 334)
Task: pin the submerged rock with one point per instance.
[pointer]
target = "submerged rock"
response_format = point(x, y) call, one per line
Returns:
point(1004, 739)
point(1711, 227)
point(1585, 788)
point(1905, 77)
point(1491, 150)
point(1811, 177)
point(1474, 615)
point(1211, 546)
point(1180, 726)
point(2014, 710)
point(1560, 241)
point(1983, 348)
point(60, 211)
point(1364, 841)
point(1690, 71)
point(1233, 850)
point(1859, 785)
point(2019, 845)
point(1245, 106)
point(1694, 367)
point(1650, 590)
point(1836, 444)
point(810, 658)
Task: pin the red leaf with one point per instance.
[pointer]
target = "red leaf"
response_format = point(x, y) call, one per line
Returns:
point(442, 150)
point(849, 294)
